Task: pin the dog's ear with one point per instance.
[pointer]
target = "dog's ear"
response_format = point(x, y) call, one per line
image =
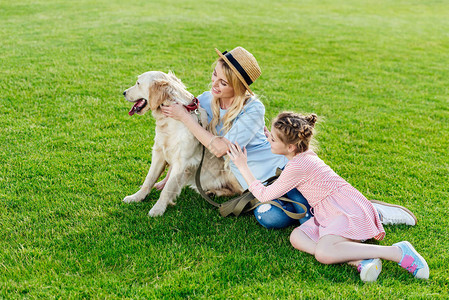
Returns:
point(158, 93)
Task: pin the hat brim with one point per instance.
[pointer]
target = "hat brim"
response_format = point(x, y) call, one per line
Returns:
point(234, 70)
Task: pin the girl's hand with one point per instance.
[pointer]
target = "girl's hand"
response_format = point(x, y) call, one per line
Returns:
point(175, 111)
point(238, 157)
point(266, 132)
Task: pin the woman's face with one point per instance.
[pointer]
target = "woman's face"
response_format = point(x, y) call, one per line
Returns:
point(220, 85)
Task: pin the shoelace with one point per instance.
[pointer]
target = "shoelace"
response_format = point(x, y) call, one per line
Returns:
point(408, 264)
point(360, 266)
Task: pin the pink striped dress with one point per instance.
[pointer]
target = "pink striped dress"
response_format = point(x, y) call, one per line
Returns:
point(337, 207)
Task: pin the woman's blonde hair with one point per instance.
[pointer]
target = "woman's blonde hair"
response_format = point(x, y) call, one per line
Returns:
point(241, 96)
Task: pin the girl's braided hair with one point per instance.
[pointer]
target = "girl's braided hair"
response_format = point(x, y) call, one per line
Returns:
point(295, 129)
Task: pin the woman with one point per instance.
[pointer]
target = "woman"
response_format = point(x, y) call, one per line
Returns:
point(235, 114)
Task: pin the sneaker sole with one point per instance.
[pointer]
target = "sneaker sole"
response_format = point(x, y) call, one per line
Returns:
point(398, 206)
point(370, 274)
point(424, 272)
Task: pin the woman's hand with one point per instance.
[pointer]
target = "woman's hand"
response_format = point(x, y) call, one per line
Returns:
point(238, 157)
point(175, 111)
point(219, 146)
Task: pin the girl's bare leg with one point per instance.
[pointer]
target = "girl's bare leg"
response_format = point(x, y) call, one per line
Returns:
point(302, 242)
point(333, 249)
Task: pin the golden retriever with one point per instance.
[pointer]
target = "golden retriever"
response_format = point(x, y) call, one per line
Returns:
point(174, 145)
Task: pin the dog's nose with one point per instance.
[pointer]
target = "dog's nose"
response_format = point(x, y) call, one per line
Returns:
point(124, 93)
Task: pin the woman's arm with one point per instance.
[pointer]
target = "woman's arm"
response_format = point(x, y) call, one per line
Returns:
point(217, 145)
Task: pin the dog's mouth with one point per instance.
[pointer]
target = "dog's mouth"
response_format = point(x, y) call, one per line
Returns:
point(138, 106)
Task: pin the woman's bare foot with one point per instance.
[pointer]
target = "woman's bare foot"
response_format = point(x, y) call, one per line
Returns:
point(160, 185)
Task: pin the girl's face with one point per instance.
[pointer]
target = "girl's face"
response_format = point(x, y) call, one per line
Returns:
point(277, 146)
point(220, 86)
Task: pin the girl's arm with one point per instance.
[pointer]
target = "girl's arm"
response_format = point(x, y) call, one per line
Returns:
point(288, 179)
point(217, 145)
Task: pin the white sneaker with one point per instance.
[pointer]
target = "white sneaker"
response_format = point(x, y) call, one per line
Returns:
point(369, 269)
point(392, 214)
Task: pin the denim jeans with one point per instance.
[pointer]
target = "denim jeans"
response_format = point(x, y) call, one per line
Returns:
point(270, 216)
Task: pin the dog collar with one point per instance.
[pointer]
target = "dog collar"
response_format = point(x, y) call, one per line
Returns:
point(193, 105)
point(193, 109)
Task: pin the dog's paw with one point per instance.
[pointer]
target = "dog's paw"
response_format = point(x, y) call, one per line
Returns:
point(132, 198)
point(211, 194)
point(156, 211)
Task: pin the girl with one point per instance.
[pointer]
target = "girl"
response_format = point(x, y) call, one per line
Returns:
point(342, 216)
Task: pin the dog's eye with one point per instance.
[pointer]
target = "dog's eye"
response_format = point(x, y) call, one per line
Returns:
point(138, 83)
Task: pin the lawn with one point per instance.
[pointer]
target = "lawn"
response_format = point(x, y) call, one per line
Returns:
point(376, 73)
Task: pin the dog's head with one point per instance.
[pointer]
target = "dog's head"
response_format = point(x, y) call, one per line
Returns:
point(153, 89)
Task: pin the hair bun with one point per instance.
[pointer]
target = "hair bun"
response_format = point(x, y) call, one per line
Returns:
point(311, 119)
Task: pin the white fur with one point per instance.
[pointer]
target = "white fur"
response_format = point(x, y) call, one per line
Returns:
point(174, 145)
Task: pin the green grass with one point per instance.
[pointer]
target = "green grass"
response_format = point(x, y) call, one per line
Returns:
point(376, 72)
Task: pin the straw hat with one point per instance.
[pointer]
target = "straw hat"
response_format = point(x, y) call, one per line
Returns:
point(243, 64)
